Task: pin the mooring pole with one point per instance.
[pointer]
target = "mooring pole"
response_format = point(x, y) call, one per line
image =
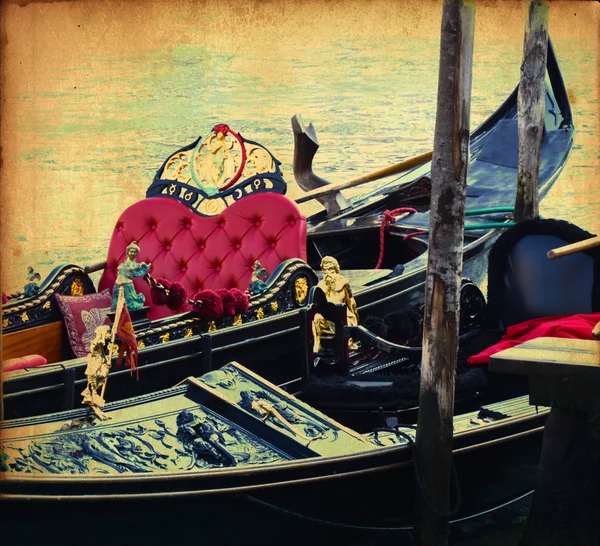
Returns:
point(531, 110)
point(1, 385)
point(433, 453)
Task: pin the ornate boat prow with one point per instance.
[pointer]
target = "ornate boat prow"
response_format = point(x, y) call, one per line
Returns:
point(306, 145)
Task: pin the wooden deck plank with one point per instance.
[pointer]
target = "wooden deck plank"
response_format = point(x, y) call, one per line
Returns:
point(550, 357)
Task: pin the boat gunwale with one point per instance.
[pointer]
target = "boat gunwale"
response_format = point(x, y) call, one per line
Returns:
point(251, 487)
point(251, 470)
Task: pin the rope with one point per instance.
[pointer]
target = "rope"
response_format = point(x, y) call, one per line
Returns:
point(152, 281)
point(405, 528)
point(389, 217)
point(414, 234)
point(328, 523)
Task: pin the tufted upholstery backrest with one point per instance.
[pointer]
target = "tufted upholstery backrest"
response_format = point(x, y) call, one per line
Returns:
point(206, 252)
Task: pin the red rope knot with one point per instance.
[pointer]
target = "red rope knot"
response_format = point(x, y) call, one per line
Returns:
point(389, 217)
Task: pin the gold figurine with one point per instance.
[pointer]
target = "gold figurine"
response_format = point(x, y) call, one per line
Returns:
point(337, 290)
point(98, 366)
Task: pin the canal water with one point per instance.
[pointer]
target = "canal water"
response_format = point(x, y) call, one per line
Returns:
point(96, 95)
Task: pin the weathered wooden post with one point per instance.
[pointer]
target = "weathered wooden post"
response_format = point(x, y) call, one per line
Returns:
point(531, 110)
point(433, 454)
point(563, 374)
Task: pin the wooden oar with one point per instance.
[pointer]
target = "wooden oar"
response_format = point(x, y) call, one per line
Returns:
point(398, 168)
point(95, 267)
point(575, 247)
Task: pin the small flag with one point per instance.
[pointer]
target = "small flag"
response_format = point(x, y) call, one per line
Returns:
point(129, 342)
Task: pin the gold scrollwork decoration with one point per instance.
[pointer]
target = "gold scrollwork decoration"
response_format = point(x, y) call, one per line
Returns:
point(177, 168)
point(5, 323)
point(165, 338)
point(46, 305)
point(212, 326)
point(212, 206)
point(274, 306)
point(24, 316)
point(77, 288)
point(260, 313)
point(237, 320)
point(188, 333)
point(141, 344)
point(301, 287)
point(258, 161)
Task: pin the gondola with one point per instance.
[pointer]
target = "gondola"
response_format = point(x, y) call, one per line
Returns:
point(175, 345)
point(231, 456)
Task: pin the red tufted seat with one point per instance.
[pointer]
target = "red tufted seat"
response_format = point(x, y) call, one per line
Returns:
point(206, 252)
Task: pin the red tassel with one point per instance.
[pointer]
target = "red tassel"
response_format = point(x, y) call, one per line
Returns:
point(177, 296)
point(212, 304)
point(242, 304)
point(4, 298)
point(159, 295)
point(228, 301)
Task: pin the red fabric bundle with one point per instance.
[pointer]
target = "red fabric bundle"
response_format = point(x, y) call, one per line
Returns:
point(575, 327)
point(212, 304)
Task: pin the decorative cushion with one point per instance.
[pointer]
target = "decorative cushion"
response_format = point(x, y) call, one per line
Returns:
point(29, 361)
point(206, 252)
point(82, 315)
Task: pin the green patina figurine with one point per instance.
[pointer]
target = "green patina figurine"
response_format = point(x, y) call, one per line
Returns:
point(127, 271)
point(257, 282)
point(32, 287)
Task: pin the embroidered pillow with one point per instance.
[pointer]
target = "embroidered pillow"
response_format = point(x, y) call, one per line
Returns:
point(82, 315)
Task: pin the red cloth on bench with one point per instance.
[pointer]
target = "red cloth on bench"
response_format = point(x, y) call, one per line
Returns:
point(575, 327)
point(29, 361)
